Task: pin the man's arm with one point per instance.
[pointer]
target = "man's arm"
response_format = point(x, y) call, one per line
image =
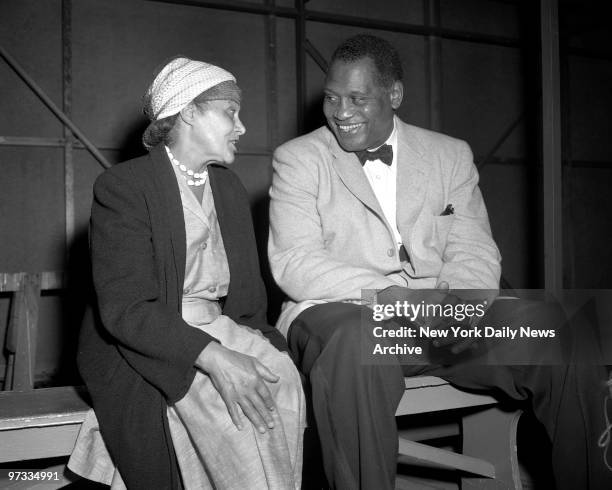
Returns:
point(300, 263)
point(471, 258)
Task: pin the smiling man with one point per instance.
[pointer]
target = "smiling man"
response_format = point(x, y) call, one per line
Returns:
point(372, 203)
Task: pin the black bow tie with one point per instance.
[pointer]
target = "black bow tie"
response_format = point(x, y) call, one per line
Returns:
point(384, 154)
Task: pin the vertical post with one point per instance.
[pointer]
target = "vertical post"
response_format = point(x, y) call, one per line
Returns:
point(22, 334)
point(433, 55)
point(271, 82)
point(300, 59)
point(67, 108)
point(569, 191)
point(551, 146)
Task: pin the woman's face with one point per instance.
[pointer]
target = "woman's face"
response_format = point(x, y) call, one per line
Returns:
point(216, 130)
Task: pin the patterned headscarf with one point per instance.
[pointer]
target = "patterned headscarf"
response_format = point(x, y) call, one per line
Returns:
point(182, 80)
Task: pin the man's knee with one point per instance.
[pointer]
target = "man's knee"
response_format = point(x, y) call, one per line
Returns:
point(324, 324)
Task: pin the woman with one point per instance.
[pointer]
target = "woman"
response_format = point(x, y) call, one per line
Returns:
point(188, 382)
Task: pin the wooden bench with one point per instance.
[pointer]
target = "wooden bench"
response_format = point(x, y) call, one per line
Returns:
point(44, 423)
point(34, 423)
point(488, 459)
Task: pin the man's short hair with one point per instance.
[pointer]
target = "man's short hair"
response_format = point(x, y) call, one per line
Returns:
point(381, 52)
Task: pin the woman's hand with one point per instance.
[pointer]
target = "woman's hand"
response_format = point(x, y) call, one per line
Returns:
point(240, 380)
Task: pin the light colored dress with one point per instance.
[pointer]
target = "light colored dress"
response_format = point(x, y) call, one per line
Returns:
point(211, 452)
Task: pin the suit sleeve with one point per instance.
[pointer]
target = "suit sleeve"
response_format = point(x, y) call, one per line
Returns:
point(471, 259)
point(300, 263)
point(153, 338)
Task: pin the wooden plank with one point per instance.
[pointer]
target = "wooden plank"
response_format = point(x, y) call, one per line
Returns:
point(43, 407)
point(429, 394)
point(10, 282)
point(425, 432)
point(410, 482)
point(23, 325)
point(51, 280)
point(423, 382)
point(491, 434)
point(420, 454)
point(37, 442)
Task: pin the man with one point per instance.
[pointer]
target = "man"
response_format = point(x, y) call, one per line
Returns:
point(372, 203)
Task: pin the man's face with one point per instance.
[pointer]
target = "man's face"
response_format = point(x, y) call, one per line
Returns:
point(358, 110)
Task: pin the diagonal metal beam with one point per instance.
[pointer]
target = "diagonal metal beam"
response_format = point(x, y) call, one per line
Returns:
point(54, 109)
point(236, 6)
point(316, 55)
point(500, 141)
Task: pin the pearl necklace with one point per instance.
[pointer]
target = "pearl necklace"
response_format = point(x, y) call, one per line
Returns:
point(193, 178)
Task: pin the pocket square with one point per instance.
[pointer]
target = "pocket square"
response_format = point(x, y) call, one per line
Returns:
point(448, 210)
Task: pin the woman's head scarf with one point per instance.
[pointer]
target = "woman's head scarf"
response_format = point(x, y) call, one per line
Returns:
point(182, 80)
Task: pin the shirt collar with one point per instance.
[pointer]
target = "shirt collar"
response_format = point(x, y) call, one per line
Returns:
point(391, 140)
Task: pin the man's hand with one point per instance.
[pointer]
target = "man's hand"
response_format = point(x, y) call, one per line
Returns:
point(393, 294)
point(240, 380)
point(458, 345)
point(439, 296)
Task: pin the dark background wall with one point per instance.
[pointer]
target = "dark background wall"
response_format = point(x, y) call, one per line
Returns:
point(482, 89)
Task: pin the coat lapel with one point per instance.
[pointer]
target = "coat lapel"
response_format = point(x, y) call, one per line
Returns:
point(351, 173)
point(167, 187)
point(413, 169)
point(229, 221)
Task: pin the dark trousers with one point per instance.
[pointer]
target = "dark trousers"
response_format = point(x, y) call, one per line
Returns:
point(354, 403)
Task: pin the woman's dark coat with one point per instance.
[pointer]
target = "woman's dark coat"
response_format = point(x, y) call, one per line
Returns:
point(139, 356)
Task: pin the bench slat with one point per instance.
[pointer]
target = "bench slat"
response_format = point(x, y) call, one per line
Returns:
point(43, 407)
point(49, 280)
point(416, 453)
point(431, 394)
point(37, 442)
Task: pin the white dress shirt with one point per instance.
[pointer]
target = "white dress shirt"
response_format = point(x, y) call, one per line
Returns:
point(383, 180)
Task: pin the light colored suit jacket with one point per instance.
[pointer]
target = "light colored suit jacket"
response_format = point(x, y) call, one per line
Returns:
point(329, 238)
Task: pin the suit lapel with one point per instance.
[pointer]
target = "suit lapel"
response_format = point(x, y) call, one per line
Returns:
point(167, 187)
point(353, 177)
point(413, 168)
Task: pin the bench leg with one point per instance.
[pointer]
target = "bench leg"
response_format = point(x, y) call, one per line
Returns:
point(491, 435)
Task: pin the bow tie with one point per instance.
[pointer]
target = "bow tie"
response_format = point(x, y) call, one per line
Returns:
point(384, 154)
